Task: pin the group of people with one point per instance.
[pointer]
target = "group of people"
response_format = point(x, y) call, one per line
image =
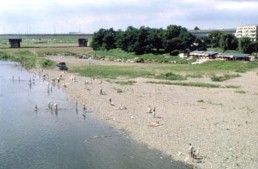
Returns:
point(152, 111)
point(193, 153)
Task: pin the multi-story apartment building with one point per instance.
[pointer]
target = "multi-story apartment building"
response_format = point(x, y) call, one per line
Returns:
point(247, 31)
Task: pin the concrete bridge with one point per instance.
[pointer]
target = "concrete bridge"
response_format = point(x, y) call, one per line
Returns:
point(16, 39)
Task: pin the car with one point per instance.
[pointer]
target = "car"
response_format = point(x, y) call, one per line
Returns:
point(62, 66)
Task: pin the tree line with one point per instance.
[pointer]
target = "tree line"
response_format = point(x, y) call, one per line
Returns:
point(174, 39)
point(227, 41)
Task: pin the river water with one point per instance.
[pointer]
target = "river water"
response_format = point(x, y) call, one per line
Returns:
point(62, 139)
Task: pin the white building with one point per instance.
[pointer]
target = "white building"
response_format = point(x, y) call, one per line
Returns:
point(247, 31)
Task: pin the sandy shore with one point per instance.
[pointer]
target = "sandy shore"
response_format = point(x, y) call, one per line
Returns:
point(222, 122)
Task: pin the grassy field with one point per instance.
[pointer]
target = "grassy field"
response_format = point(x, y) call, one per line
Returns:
point(216, 70)
point(115, 54)
point(101, 71)
point(156, 66)
point(194, 84)
point(27, 58)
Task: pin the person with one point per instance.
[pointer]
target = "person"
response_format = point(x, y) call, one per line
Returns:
point(197, 152)
point(101, 91)
point(84, 107)
point(36, 108)
point(149, 109)
point(191, 151)
point(154, 112)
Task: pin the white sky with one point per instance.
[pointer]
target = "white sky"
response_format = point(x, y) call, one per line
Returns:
point(88, 16)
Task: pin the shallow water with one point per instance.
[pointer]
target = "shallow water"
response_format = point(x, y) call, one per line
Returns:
point(46, 139)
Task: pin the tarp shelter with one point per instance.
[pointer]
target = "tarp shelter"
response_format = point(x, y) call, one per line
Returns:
point(200, 54)
point(234, 56)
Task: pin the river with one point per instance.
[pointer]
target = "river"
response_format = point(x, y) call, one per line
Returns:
point(62, 139)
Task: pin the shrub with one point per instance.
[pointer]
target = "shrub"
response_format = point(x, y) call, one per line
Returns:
point(46, 63)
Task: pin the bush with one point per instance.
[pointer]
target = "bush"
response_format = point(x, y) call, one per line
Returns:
point(46, 63)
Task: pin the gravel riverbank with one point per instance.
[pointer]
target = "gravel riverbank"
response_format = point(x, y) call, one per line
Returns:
point(222, 122)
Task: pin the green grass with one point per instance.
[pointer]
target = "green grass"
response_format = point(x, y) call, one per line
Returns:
point(197, 84)
point(114, 54)
point(240, 91)
point(181, 70)
point(224, 77)
point(27, 58)
point(46, 63)
point(4, 43)
point(236, 66)
point(53, 52)
point(194, 75)
point(232, 86)
point(26, 43)
point(120, 54)
point(118, 90)
point(5, 56)
point(163, 71)
point(112, 72)
point(193, 84)
point(207, 68)
point(170, 76)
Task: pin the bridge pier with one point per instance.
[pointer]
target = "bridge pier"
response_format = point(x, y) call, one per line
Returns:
point(15, 43)
point(82, 42)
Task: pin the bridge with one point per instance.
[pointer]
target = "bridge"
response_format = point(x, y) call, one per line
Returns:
point(16, 39)
point(206, 32)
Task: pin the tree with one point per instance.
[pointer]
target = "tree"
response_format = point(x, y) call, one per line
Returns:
point(119, 39)
point(255, 48)
point(144, 40)
point(214, 37)
point(97, 39)
point(199, 44)
point(228, 42)
point(177, 38)
point(104, 39)
point(196, 28)
point(245, 45)
point(109, 39)
point(172, 31)
point(156, 37)
point(129, 39)
point(187, 38)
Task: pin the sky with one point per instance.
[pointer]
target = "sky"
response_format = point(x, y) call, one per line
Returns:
point(88, 16)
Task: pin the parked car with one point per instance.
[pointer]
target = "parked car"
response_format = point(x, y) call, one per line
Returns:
point(62, 66)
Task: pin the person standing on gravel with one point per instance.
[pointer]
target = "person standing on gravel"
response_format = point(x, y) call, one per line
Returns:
point(191, 151)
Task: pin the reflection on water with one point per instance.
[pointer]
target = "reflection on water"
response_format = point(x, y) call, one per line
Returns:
point(36, 135)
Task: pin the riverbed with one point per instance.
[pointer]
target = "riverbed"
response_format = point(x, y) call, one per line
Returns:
point(34, 134)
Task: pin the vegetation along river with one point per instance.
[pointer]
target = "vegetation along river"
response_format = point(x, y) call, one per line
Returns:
point(61, 139)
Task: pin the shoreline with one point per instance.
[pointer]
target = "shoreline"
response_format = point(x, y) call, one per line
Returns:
point(214, 119)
